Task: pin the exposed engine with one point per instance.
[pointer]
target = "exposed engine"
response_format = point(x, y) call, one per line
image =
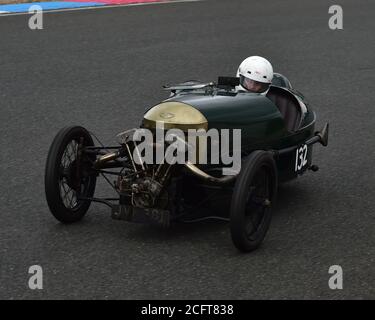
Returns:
point(145, 192)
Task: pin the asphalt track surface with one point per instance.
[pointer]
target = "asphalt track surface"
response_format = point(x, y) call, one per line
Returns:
point(102, 68)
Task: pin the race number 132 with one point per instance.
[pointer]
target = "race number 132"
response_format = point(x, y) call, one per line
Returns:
point(301, 158)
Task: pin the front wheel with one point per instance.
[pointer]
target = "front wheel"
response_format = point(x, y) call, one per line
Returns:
point(253, 195)
point(68, 176)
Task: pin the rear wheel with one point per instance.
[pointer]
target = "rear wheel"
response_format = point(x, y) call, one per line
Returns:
point(253, 195)
point(68, 176)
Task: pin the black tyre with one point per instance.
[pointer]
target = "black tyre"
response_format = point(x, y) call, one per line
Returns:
point(68, 177)
point(253, 195)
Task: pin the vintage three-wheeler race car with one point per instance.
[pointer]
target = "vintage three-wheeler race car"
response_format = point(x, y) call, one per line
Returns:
point(277, 136)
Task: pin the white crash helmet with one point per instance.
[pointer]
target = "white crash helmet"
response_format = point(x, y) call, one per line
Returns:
point(255, 75)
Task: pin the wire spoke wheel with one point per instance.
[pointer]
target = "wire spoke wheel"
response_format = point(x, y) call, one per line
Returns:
point(68, 178)
point(68, 193)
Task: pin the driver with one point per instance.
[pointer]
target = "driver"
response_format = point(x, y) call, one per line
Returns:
point(255, 75)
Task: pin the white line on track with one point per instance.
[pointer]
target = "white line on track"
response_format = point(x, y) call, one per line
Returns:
point(6, 14)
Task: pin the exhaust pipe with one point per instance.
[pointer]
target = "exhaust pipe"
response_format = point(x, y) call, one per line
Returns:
point(208, 178)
